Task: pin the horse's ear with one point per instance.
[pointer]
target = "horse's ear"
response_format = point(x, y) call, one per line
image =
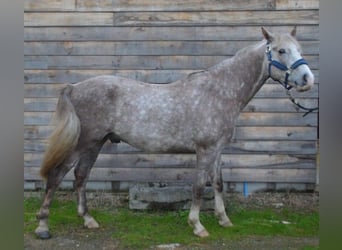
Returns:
point(268, 35)
point(294, 31)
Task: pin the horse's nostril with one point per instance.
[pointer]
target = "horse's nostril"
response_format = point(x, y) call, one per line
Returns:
point(305, 77)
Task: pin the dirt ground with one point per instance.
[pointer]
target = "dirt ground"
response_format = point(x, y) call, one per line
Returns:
point(102, 240)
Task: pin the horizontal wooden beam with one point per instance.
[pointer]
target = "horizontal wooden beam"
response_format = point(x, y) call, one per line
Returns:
point(171, 5)
point(150, 5)
point(241, 133)
point(190, 18)
point(265, 118)
point(187, 175)
point(189, 33)
point(236, 147)
point(147, 62)
point(146, 160)
point(55, 76)
point(256, 105)
point(157, 48)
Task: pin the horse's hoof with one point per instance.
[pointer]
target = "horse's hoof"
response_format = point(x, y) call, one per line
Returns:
point(44, 235)
point(91, 223)
point(204, 233)
point(226, 224)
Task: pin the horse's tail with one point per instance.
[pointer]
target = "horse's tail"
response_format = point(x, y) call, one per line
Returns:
point(64, 137)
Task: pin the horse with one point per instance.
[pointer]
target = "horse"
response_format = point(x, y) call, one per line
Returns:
point(195, 114)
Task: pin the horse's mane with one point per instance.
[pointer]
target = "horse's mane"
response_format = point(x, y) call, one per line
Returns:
point(248, 48)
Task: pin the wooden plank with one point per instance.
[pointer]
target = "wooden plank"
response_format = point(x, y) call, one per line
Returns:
point(237, 147)
point(187, 175)
point(67, 19)
point(48, 5)
point(276, 133)
point(173, 5)
point(298, 17)
point(245, 119)
point(131, 62)
point(132, 48)
point(40, 104)
point(37, 132)
point(73, 76)
point(269, 175)
point(267, 147)
point(296, 4)
point(255, 105)
point(37, 118)
point(150, 5)
point(145, 160)
point(268, 90)
point(272, 89)
point(241, 133)
point(191, 33)
point(121, 62)
point(42, 90)
point(276, 119)
point(277, 105)
point(53, 76)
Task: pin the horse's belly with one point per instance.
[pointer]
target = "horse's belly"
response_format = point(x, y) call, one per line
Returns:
point(162, 145)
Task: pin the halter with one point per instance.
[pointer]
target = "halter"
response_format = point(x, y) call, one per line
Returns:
point(282, 67)
point(288, 72)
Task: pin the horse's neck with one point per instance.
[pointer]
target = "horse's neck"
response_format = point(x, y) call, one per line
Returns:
point(246, 74)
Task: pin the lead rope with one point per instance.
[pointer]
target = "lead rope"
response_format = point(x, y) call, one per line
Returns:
point(298, 105)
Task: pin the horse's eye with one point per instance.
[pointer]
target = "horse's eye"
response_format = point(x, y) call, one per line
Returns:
point(282, 51)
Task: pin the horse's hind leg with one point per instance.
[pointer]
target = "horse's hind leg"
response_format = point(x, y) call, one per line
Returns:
point(82, 171)
point(54, 179)
point(217, 183)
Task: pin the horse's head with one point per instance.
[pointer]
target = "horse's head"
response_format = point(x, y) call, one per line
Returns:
point(285, 62)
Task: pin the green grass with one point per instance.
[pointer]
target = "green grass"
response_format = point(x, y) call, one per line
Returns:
point(145, 229)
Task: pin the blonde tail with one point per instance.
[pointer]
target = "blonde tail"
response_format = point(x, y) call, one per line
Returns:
point(64, 137)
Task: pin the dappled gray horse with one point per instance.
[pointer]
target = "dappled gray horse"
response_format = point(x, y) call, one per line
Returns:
point(195, 114)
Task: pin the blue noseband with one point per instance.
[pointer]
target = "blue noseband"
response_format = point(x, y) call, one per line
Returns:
point(282, 67)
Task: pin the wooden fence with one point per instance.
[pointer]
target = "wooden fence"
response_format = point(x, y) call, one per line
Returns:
point(67, 41)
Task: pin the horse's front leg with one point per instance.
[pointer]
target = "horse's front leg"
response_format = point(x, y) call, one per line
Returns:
point(217, 184)
point(197, 192)
point(205, 160)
